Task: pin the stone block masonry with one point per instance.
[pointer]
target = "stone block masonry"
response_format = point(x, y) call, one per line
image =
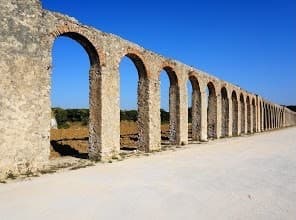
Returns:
point(27, 34)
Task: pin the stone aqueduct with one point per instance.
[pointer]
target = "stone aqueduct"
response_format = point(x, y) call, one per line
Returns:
point(26, 39)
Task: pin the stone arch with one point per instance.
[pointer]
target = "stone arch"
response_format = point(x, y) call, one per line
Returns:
point(249, 127)
point(142, 104)
point(195, 108)
point(212, 111)
point(174, 105)
point(254, 113)
point(138, 62)
point(243, 113)
point(93, 53)
point(234, 113)
point(224, 112)
point(94, 89)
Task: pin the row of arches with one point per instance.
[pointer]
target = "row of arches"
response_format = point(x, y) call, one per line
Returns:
point(228, 113)
point(272, 116)
point(217, 110)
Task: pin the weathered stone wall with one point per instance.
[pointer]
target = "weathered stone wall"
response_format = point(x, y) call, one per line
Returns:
point(27, 35)
point(24, 88)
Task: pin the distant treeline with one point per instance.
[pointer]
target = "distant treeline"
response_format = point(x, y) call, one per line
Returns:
point(292, 107)
point(65, 116)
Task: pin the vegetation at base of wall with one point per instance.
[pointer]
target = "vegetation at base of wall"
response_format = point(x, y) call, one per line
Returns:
point(292, 107)
point(65, 117)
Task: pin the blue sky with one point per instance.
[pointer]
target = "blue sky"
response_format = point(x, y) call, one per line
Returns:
point(248, 43)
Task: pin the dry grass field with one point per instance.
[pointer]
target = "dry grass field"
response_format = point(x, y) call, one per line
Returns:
point(73, 141)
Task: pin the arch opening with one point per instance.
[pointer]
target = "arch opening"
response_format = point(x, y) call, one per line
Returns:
point(269, 117)
point(265, 117)
point(169, 107)
point(254, 115)
point(242, 111)
point(234, 114)
point(212, 111)
point(224, 112)
point(194, 110)
point(249, 127)
point(76, 97)
point(261, 117)
point(133, 105)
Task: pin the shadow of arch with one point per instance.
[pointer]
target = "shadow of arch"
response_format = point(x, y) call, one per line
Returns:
point(67, 150)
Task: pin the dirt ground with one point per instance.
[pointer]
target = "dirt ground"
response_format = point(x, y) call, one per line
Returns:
point(73, 141)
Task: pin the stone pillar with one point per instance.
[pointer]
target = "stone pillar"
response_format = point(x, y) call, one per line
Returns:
point(255, 115)
point(272, 117)
point(252, 115)
point(204, 115)
point(246, 116)
point(279, 118)
point(152, 130)
point(174, 104)
point(265, 117)
point(196, 111)
point(239, 115)
point(154, 115)
point(262, 116)
point(258, 110)
point(105, 132)
point(183, 112)
point(283, 123)
point(269, 118)
point(230, 121)
point(219, 114)
point(276, 118)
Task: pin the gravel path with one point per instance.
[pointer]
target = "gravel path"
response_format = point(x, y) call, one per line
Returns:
point(240, 178)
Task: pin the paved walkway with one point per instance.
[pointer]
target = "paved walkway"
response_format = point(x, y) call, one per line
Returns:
point(240, 178)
